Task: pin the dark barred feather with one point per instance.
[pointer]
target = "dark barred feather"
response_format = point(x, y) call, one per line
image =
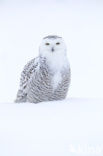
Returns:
point(36, 83)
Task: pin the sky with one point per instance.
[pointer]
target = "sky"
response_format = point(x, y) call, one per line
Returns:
point(23, 24)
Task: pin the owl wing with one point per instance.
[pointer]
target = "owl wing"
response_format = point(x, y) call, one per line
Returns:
point(26, 74)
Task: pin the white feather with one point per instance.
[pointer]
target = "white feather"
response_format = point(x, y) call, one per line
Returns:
point(56, 80)
point(56, 60)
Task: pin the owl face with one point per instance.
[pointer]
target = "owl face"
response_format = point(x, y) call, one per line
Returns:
point(51, 46)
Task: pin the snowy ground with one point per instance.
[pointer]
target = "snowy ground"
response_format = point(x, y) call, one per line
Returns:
point(65, 128)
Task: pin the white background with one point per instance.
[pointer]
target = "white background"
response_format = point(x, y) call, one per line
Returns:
point(24, 23)
point(72, 127)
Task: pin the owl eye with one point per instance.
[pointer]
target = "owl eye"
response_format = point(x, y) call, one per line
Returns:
point(57, 43)
point(47, 43)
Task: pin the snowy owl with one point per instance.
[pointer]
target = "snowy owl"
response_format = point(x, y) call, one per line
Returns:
point(46, 77)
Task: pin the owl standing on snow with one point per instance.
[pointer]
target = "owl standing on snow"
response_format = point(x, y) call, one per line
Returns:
point(46, 77)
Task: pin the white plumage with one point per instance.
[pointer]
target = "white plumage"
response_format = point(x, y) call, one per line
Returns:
point(46, 77)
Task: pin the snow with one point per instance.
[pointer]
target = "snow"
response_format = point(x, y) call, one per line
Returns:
point(70, 127)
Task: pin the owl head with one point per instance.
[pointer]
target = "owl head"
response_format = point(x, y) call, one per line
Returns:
point(52, 46)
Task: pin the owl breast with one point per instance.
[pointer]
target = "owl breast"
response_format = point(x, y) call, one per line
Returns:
point(56, 80)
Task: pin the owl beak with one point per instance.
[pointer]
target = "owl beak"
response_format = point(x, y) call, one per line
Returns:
point(52, 49)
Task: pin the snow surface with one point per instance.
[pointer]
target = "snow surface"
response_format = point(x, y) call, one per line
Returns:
point(72, 127)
